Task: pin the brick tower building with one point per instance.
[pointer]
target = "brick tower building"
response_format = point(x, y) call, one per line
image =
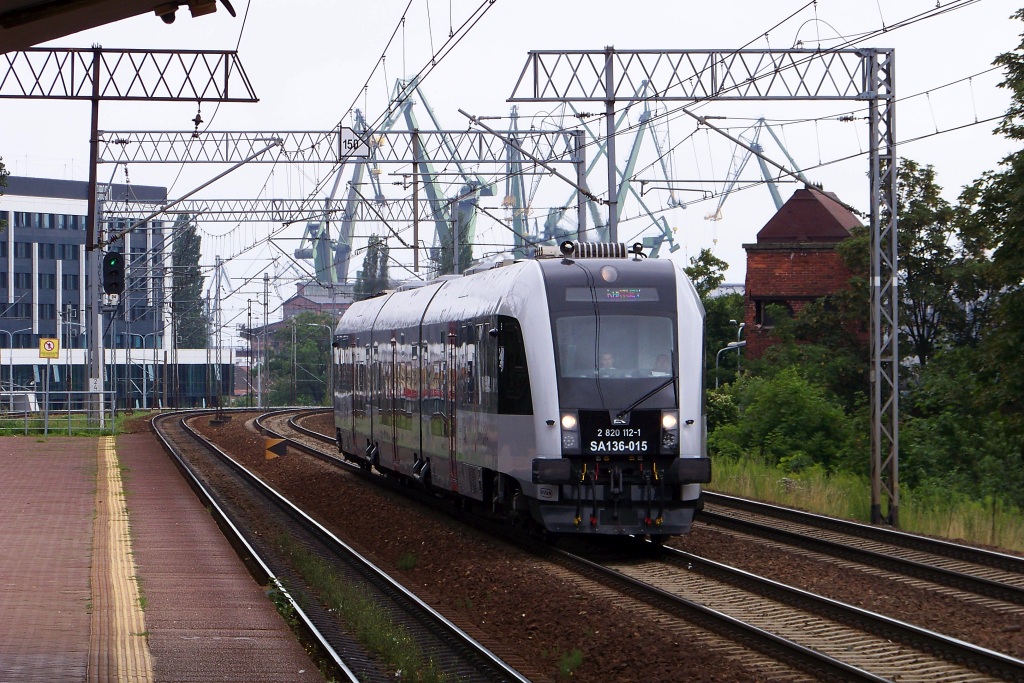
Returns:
point(794, 260)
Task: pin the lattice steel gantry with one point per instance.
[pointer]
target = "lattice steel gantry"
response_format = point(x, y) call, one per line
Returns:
point(94, 75)
point(867, 75)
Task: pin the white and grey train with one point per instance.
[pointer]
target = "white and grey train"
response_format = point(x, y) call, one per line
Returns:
point(566, 392)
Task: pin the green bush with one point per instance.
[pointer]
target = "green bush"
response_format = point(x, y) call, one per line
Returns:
point(783, 420)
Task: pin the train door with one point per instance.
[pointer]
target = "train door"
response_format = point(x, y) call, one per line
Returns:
point(345, 388)
point(393, 399)
point(451, 388)
point(434, 419)
point(374, 404)
point(360, 396)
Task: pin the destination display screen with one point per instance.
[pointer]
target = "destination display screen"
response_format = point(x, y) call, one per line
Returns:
point(611, 294)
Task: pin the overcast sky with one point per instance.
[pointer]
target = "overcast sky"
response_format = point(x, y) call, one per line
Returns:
point(311, 61)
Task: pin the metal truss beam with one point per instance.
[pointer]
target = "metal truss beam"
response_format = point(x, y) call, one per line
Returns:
point(615, 76)
point(98, 74)
point(692, 75)
point(317, 147)
point(269, 210)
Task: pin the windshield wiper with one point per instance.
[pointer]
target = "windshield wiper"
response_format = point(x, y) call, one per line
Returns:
point(646, 396)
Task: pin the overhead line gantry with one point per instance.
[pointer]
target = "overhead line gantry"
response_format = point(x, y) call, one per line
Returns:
point(96, 74)
point(615, 77)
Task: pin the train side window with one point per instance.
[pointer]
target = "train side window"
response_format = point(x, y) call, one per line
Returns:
point(514, 397)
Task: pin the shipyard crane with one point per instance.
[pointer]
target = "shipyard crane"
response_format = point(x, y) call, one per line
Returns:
point(554, 231)
point(331, 258)
point(752, 147)
point(454, 218)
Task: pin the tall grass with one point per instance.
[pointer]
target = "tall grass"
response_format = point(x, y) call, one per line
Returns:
point(62, 424)
point(849, 496)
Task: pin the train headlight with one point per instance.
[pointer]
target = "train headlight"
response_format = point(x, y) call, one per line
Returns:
point(669, 431)
point(570, 432)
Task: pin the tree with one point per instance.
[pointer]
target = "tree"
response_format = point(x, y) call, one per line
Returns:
point(993, 211)
point(299, 359)
point(188, 313)
point(926, 255)
point(373, 278)
point(964, 424)
point(706, 271)
point(722, 313)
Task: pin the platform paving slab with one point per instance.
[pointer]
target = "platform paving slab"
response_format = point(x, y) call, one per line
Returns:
point(47, 504)
point(206, 617)
point(90, 526)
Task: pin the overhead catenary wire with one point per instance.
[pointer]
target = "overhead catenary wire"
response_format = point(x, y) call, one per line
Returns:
point(889, 29)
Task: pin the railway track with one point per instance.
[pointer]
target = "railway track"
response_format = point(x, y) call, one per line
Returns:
point(990, 578)
point(880, 647)
point(257, 518)
point(823, 637)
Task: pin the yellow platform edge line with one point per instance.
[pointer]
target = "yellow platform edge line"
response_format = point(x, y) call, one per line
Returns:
point(130, 643)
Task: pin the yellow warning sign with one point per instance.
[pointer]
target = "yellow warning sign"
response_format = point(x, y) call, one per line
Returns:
point(49, 348)
point(275, 447)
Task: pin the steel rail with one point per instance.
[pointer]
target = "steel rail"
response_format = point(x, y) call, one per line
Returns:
point(919, 570)
point(989, 558)
point(441, 626)
point(946, 647)
point(251, 558)
point(729, 627)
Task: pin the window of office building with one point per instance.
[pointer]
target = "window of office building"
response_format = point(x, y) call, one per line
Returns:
point(67, 252)
point(22, 250)
point(47, 281)
point(68, 222)
point(23, 280)
point(22, 311)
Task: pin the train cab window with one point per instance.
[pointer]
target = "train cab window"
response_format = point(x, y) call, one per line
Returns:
point(614, 345)
point(514, 397)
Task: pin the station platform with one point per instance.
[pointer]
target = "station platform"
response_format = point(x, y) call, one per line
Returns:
point(112, 570)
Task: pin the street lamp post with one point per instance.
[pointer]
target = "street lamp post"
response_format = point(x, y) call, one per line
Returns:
point(10, 344)
point(729, 347)
point(145, 403)
point(739, 332)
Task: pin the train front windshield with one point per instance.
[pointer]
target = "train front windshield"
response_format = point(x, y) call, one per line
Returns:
point(614, 346)
point(614, 328)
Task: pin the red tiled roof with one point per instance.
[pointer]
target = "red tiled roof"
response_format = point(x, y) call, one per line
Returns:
point(810, 215)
